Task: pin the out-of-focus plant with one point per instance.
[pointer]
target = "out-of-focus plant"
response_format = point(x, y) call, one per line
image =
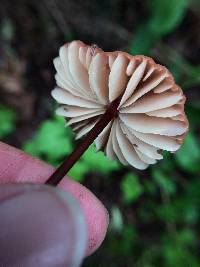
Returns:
point(165, 182)
point(131, 187)
point(188, 157)
point(7, 120)
point(93, 162)
point(165, 16)
point(53, 141)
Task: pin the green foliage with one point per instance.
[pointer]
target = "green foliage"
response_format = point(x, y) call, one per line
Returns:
point(165, 16)
point(7, 121)
point(79, 170)
point(165, 182)
point(143, 40)
point(193, 112)
point(181, 256)
point(116, 223)
point(52, 142)
point(131, 187)
point(183, 71)
point(188, 157)
point(97, 161)
point(93, 161)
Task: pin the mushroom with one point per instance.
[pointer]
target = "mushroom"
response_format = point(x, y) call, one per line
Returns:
point(149, 115)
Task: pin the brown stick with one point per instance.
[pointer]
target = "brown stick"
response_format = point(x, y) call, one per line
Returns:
point(62, 170)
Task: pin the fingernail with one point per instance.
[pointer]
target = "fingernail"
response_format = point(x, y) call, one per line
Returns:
point(40, 226)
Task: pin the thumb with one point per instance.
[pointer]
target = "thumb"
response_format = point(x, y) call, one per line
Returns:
point(40, 226)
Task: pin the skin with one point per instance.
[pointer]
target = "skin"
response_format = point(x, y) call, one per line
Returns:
point(18, 167)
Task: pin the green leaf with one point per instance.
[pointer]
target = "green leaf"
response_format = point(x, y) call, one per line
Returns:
point(92, 161)
point(165, 182)
point(97, 161)
point(7, 120)
point(116, 223)
point(188, 157)
point(176, 249)
point(166, 14)
point(79, 170)
point(129, 235)
point(150, 187)
point(131, 187)
point(52, 141)
point(167, 164)
point(143, 40)
point(186, 237)
point(193, 113)
point(180, 210)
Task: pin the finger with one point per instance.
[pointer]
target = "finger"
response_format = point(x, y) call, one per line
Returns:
point(17, 166)
point(40, 225)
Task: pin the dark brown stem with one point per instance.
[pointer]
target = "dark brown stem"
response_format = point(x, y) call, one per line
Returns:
point(62, 170)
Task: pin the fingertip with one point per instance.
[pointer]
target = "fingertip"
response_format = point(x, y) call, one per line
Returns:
point(96, 215)
point(98, 225)
point(17, 166)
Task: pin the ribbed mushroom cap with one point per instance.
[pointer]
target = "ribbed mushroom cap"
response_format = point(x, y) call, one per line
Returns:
point(151, 114)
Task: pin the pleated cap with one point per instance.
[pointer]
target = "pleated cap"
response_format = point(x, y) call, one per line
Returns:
point(151, 114)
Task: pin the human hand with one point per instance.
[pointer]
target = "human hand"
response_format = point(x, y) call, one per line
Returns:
point(41, 225)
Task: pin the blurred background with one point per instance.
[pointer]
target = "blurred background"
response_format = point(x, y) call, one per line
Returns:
point(155, 214)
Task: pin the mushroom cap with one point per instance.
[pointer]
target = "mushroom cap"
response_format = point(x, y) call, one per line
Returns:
point(151, 114)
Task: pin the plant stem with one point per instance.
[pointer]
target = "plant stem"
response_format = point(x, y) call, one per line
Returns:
point(62, 170)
